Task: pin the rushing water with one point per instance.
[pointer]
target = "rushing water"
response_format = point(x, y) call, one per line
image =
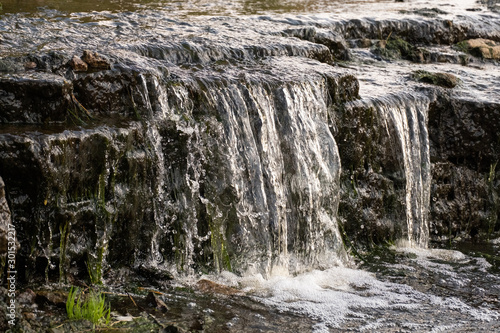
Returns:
point(221, 146)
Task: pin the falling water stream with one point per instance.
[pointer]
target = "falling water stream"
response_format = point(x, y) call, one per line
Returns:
point(245, 143)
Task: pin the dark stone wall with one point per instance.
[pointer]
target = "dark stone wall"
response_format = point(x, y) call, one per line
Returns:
point(465, 150)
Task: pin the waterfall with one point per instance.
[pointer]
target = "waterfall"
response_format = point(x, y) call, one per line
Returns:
point(398, 151)
point(249, 174)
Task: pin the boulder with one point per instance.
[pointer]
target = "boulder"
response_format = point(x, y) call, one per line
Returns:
point(484, 48)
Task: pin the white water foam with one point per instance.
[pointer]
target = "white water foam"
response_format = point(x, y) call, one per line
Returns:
point(340, 298)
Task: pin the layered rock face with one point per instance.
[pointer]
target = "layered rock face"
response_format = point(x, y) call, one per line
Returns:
point(253, 144)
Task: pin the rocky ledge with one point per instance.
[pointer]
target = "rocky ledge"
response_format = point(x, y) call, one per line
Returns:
point(179, 146)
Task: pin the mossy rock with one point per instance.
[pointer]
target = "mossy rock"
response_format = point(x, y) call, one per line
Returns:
point(483, 48)
point(439, 79)
point(397, 48)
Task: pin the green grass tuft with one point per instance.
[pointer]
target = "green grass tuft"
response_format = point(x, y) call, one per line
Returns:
point(91, 307)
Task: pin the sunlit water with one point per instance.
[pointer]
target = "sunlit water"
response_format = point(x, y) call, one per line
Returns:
point(242, 7)
point(405, 289)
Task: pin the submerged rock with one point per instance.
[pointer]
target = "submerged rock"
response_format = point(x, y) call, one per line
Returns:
point(208, 286)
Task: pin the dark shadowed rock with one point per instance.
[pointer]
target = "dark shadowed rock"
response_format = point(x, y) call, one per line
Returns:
point(34, 98)
point(464, 137)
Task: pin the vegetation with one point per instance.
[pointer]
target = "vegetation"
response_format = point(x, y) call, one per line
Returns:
point(439, 79)
point(397, 48)
point(462, 47)
point(90, 306)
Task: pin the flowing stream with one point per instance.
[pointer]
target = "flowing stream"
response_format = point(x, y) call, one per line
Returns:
point(275, 149)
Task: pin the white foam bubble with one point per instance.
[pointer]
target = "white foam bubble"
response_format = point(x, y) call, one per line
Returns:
point(339, 295)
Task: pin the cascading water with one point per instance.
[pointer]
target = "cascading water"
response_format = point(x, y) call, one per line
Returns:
point(404, 120)
point(256, 173)
point(269, 151)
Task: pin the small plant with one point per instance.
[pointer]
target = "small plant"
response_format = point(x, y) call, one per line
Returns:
point(91, 307)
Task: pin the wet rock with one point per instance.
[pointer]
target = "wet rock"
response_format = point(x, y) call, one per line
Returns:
point(484, 48)
point(54, 297)
point(427, 12)
point(30, 65)
point(34, 98)
point(95, 60)
point(343, 89)
point(154, 274)
point(464, 148)
point(465, 130)
point(116, 92)
point(440, 79)
point(462, 203)
point(86, 181)
point(10, 66)
point(335, 42)
point(364, 43)
point(208, 286)
point(371, 198)
point(150, 183)
point(78, 64)
point(5, 220)
point(397, 48)
point(27, 297)
point(155, 301)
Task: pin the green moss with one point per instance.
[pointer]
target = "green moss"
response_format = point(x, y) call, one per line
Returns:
point(462, 47)
point(440, 79)
point(493, 216)
point(94, 267)
point(64, 232)
point(218, 242)
point(397, 48)
point(101, 194)
point(400, 46)
point(348, 245)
